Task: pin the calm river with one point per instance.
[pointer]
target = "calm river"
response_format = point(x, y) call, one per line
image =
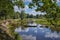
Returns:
point(38, 33)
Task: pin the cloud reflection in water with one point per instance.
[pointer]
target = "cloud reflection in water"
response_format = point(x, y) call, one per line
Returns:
point(31, 33)
point(52, 35)
point(28, 37)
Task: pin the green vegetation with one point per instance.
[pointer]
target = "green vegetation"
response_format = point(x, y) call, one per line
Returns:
point(51, 9)
point(9, 28)
point(9, 19)
point(18, 37)
point(42, 21)
point(7, 16)
point(7, 8)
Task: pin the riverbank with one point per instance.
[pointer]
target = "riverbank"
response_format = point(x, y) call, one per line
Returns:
point(8, 28)
point(45, 22)
point(11, 24)
point(19, 22)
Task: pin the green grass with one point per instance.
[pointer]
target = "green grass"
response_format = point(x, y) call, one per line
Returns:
point(58, 22)
point(45, 22)
point(42, 21)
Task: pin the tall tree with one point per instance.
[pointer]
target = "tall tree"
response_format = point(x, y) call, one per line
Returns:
point(16, 15)
point(7, 10)
point(7, 7)
point(31, 16)
point(50, 7)
point(37, 16)
point(23, 15)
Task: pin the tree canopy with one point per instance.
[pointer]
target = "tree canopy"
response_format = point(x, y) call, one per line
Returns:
point(50, 7)
point(7, 7)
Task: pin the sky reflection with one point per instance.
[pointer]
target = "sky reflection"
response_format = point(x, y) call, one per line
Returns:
point(38, 33)
point(52, 35)
point(28, 37)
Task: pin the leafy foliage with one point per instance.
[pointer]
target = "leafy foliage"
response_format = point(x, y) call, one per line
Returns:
point(7, 8)
point(6, 12)
point(50, 7)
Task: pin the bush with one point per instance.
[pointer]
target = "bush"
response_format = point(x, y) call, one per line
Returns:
point(17, 36)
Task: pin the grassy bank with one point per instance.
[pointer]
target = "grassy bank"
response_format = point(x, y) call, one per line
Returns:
point(14, 23)
point(9, 26)
point(42, 21)
point(45, 22)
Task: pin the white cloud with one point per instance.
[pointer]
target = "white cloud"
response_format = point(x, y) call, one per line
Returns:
point(27, 10)
point(26, 7)
point(34, 12)
point(58, 0)
point(31, 11)
point(28, 0)
point(15, 8)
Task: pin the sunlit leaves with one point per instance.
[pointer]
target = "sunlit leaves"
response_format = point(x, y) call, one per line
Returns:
point(7, 7)
point(50, 7)
point(19, 3)
point(31, 5)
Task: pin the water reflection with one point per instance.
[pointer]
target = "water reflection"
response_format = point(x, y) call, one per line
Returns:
point(38, 33)
point(28, 37)
point(52, 35)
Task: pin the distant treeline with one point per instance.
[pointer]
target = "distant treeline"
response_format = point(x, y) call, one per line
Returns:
point(17, 15)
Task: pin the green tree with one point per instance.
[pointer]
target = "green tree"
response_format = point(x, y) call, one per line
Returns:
point(16, 15)
point(50, 7)
point(37, 16)
point(31, 16)
point(7, 11)
point(7, 7)
point(28, 15)
point(23, 15)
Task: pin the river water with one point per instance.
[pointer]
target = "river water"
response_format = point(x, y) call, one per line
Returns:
point(38, 33)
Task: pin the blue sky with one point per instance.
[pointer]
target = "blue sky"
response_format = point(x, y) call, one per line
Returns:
point(28, 10)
